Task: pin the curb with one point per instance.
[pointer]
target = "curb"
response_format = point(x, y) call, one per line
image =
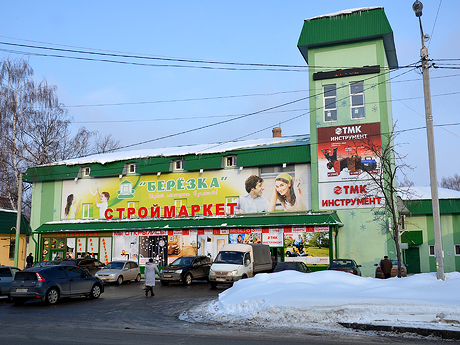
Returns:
point(441, 333)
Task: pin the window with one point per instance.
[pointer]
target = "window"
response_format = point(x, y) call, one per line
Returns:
point(132, 168)
point(230, 161)
point(178, 165)
point(86, 171)
point(330, 103)
point(457, 249)
point(12, 246)
point(85, 210)
point(273, 171)
point(357, 100)
point(431, 249)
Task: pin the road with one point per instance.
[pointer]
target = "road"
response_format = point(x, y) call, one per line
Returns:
point(123, 315)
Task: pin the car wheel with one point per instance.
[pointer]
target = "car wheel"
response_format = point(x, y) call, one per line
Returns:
point(138, 278)
point(95, 291)
point(188, 279)
point(165, 283)
point(120, 280)
point(19, 301)
point(52, 296)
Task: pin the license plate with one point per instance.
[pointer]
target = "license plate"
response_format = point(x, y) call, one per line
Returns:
point(220, 279)
point(167, 276)
point(22, 290)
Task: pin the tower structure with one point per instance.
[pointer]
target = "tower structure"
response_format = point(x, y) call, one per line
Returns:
point(350, 54)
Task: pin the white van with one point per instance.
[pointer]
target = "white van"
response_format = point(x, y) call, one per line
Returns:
point(239, 261)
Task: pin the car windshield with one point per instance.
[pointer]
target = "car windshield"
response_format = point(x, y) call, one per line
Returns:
point(115, 265)
point(230, 258)
point(286, 266)
point(341, 263)
point(182, 262)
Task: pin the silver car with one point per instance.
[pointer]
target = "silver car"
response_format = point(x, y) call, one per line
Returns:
point(119, 271)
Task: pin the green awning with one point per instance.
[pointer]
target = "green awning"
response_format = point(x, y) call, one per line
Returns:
point(239, 221)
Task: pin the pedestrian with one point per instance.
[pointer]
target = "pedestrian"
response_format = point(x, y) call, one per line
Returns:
point(149, 274)
point(385, 266)
point(29, 261)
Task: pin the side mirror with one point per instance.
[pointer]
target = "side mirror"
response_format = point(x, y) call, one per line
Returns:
point(360, 266)
point(247, 262)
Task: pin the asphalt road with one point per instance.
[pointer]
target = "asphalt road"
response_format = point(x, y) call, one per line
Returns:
point(123, 315)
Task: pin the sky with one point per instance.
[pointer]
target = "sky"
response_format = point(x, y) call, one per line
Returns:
point(176, 103)
point(324, 299)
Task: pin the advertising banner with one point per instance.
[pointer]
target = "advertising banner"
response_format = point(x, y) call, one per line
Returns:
point(345, 152)
point(350, 195)
point(186, 194)
point(309, 244)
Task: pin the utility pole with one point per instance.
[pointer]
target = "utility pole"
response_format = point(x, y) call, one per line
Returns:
point(417, 7)
point(18, 222)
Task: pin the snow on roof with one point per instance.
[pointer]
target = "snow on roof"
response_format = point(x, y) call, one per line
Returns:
point(187, 150)
point(350, 11)
point(424, 193)
point(5, 210)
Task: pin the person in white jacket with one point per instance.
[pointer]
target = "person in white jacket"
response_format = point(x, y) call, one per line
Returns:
point(149, 274)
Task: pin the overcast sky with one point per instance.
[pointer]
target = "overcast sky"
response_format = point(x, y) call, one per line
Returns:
point(138, 102)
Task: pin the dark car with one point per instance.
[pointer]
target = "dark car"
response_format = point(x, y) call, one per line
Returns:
point(90, 264)
point(345, 265)
point(6, 277)
point(54, 282)
point(47, 263)
point(185, 269)
point(292, 265)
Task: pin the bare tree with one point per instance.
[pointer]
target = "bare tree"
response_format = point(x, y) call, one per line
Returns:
point(106, 143)
point(34, 127)
point(451, 182)
point(388, 164)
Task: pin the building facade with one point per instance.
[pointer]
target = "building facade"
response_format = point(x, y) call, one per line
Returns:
point(8, 220)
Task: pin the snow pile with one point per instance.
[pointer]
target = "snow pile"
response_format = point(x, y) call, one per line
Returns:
point(326, 298)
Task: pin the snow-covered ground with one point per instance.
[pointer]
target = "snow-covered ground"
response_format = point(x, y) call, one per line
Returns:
point(326, 298)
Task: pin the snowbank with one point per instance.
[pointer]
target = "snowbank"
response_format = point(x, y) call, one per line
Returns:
point(323, 299)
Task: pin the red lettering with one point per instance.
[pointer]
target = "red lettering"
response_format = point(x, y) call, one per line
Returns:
point(354, 189)
point(155, 211)
point(170, 211)
point(346, 189)
point(207, 210)
point(108, 214)
point(220, 209)
point(362, 189)
point(183, 211)
point(120, 212)
point(232, 206)
point(195, 209)
point(131, 211)
point(143, 212)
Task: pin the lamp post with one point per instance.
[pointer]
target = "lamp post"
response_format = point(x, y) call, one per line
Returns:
point(417, 7)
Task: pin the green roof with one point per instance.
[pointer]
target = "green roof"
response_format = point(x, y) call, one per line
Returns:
point(256, 220)
point(8, 223)
point(425, 207)
point(348, 26)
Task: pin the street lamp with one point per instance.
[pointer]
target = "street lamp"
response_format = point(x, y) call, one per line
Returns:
point(417, 7)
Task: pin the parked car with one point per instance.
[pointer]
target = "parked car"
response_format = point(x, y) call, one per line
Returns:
point(185, 269)
point(346, 265)
point(119, 271)
point(6, 277)
point(292, 265)
point(394, 269)
point(54, 282)
point(90, 264)
point(47, 263)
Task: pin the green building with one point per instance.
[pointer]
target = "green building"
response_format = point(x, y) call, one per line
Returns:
point(305, 196)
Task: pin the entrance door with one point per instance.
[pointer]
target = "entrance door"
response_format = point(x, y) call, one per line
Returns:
point(413, 260)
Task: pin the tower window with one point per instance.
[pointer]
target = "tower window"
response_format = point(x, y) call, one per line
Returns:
point(330, 103)
point(357, 100)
